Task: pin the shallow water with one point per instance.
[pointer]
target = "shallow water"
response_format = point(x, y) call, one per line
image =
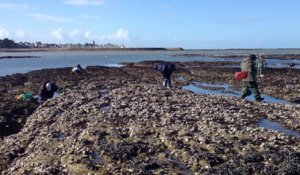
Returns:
point(106, 108)
point(226, 90)
point(61, 136)
point(265, 123)
point(108, 58)
point(181, 78)
point(95, 158)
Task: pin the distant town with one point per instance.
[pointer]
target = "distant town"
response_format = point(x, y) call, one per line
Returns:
point(8, 43)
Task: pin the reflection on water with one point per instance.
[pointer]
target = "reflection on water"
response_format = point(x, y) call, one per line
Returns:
point(226, 90)
point(265, 123)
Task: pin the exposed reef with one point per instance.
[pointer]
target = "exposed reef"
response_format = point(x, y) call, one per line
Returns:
point(6, 57)
point(266, 56)
point(122, 121)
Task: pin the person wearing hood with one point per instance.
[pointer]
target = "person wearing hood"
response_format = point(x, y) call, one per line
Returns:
point(166, 69)
point(249, 84)
point(47, 91)
point(260, 64)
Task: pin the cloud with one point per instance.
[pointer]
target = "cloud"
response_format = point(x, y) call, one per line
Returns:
point(58, 34)
point(20, 34)
point(121, 34)
point(4, 33)
point(80, 35)
point(88, 16)
point(11, 6)
point(46, 17)
point(75, 34)
point(89, 35)
point(84, 2)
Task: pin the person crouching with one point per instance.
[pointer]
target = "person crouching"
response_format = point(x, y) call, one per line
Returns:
point(47, 91)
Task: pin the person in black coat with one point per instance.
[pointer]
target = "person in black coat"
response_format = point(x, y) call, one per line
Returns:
point(292, 65)
point(47, 91)
point(166, 69)
point(77, 69)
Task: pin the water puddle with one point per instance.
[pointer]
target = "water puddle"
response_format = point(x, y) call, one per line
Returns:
point(106, 108)
point(95, 158)
point(265, 123)
point(276, 66)
point(60, 136)
point(104, 92)
point(225, 90)
point(181, 78)
point(189, 69)
point(183, 169)
point(114, 65)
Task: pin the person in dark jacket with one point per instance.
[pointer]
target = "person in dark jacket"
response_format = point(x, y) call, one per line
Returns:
point(166, 69)
point(292, 65)
point(47, 91)
point(249, 83)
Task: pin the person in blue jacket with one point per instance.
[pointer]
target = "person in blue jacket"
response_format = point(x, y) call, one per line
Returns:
point(166, 69)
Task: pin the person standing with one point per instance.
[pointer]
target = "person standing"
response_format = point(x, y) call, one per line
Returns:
point(166, 69)
point(249, 84)
point(260, 64)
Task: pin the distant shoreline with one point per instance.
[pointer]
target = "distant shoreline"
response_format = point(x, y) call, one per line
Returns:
point(86, 49)
point(8, 57)
point(214, 55)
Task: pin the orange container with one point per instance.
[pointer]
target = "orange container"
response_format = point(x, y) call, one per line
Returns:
point(241, 75)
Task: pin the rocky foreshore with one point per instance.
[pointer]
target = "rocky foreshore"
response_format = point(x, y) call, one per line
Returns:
point(8, 57)
point(122, 121)
point(267, 56)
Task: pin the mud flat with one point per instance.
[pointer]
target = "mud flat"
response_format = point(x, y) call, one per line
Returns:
point(121, 121)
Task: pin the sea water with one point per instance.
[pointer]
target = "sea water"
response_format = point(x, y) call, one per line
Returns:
point(108, 58)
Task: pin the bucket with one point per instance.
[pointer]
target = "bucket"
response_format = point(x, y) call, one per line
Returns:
point(240, 75)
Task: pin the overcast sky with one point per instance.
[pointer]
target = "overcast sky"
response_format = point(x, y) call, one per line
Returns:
point(155, 23)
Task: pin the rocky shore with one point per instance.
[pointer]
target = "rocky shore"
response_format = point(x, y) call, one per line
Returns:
point(6, 57)
point(122, 121)
point(267, 56)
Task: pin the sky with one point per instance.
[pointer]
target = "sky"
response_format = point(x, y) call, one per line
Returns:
point(190, 24)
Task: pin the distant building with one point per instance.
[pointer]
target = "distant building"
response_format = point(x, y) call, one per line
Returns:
point(6, 43)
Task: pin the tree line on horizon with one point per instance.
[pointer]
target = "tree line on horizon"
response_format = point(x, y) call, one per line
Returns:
point(8, 43)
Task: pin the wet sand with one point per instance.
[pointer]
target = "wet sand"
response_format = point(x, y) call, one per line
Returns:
point(122, 121)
